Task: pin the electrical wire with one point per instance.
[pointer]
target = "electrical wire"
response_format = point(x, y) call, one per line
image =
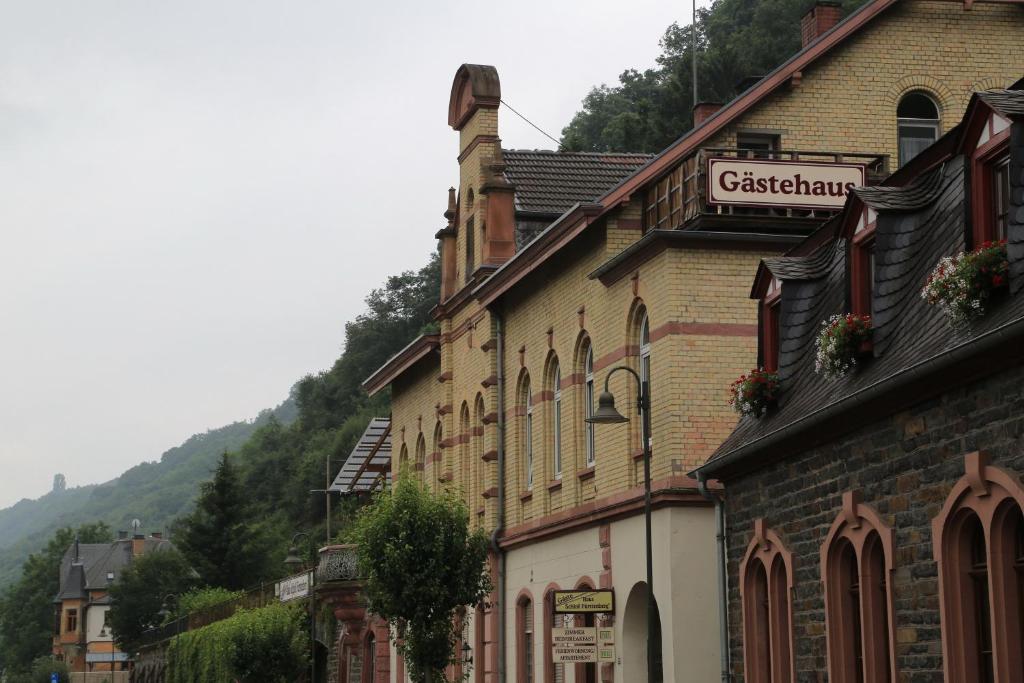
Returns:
point(541, 130)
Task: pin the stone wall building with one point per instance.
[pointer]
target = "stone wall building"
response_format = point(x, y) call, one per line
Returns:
point(875, 527)
point(557, 268)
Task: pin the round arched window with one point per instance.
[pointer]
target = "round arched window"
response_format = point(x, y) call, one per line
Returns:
point(917, 119)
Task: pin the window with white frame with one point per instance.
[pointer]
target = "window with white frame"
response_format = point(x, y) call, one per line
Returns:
point(645, 356)
point(588, 405)
point(528, 436)
point(917, 119)
point(556, 423)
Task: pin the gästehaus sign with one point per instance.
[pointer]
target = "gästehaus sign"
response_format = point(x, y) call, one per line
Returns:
point(784, 184)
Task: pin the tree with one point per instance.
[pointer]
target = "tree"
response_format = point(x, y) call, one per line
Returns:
point(137, 597)
point(422, 566)
point(648, 110)
point(26, 607)
point(215, 537)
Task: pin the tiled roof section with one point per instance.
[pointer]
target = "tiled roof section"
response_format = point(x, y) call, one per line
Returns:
point(908, 331)
point(552, 182)
point(1006, 102)
point(95, 561)
point(1015, 228)
point(912, 197)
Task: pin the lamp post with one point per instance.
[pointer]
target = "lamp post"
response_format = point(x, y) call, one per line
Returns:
point(607, 414)
point(294, 562)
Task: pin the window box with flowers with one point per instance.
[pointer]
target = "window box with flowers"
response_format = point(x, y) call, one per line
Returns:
point(755, 392)
point(844, 338)
point(964, 285)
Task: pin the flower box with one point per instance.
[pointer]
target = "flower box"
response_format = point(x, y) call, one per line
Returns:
point(964, 286)
point(755, 393)
point(842, 341)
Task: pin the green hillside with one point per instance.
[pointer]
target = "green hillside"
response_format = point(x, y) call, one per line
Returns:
point(154, 492)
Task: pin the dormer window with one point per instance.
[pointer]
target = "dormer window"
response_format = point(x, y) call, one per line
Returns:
point(862, 264)
point(990, 182)
point(770, 326)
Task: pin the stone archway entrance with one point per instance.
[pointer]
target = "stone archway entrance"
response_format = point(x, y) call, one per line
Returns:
point(634, 637)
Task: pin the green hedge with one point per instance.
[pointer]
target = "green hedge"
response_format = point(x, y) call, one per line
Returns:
point(270, 645)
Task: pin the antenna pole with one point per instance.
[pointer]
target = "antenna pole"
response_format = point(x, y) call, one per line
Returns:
point(693, 51)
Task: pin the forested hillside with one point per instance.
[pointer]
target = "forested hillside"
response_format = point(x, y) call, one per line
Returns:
point(154, 492)
point(649, 109)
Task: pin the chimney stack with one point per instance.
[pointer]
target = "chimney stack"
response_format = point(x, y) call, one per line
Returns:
point(819, 20)
point(138, 544)
point(702, 111)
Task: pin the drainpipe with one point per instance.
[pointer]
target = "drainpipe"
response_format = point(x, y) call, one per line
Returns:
point(723, 597)
point(499, 335)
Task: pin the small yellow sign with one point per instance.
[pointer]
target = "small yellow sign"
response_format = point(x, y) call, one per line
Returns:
point(584, 602)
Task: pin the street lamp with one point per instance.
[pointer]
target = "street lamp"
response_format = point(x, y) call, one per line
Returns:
point(607, 414)
point(294, 563)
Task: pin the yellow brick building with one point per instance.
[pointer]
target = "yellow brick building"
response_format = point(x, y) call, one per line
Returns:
point(559, 267)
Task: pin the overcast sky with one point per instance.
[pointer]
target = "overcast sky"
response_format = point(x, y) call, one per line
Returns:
point(196, 195)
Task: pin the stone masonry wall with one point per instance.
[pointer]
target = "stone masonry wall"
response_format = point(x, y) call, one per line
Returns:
point(905, 466)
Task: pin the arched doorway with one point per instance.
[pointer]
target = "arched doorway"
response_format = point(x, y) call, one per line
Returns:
point(634, 637)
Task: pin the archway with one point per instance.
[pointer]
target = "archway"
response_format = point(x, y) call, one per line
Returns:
point(634, 637)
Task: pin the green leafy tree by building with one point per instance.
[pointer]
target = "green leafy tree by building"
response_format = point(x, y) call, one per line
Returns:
point(423, 565)
point(26, 607)
point(137, 597)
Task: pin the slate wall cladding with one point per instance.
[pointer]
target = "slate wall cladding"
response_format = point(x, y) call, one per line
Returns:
point(905, 467)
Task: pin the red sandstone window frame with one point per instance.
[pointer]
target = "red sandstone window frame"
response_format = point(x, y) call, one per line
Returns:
point(860, 637)
point(766, 595)
point(989, 157)
point(862, 263)
point(770, 309)
point(995, 499)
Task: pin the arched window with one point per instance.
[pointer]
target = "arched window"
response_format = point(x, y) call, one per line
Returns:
point(435, 448)
point(421, 456)
point(556, 421)
point(465, 463)
point(588, 403)
point(527, 436)
point(645, 354)
point(766, 584)
point(554, 672)
point(403, 458)
point(470, 248)
point(856, 571)
point(478, 450)
point(370, 658)
point(977, 541)
point(917, 119)
point(524, 639)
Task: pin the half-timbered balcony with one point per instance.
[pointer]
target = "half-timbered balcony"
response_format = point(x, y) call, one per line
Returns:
point(743, 190)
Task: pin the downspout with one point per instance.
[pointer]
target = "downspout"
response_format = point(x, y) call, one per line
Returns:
point(499, 528)
point(723, 587)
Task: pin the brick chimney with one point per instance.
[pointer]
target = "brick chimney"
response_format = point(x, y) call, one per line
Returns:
point(702, 111)
point(138, 544)
point(446, 237)
point(484, 223)
point(819, 20)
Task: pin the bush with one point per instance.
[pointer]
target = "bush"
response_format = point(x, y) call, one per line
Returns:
point(269, 645)
point(40, 672)
point(204, 598)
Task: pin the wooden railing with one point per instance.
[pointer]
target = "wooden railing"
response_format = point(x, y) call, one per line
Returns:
point(681, 194)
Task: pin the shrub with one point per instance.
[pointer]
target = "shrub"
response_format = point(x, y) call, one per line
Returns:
point(962, 285)
point(753, 393)
point(269, 645)
point(840, 341)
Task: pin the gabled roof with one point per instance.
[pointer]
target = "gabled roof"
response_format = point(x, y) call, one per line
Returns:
point(505, 278)
point(88, 572)
point(915, 350)
point(369, 463)
point(417, 350)
point(551, 182)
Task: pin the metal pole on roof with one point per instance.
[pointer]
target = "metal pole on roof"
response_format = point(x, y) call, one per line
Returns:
point(693, 50)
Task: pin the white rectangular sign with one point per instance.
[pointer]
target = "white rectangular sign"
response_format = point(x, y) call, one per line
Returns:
point(294, 587)
point(788, 184)
point(574, 644)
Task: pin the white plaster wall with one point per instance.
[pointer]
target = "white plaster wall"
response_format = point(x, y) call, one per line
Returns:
point(95, 616)
point(684, 586)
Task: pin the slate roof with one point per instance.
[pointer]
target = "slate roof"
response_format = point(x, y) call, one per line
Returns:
point(916, 225)
point(551, 182)
point(95, 560)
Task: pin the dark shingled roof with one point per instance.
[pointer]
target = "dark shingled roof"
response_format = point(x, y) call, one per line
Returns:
point(553, 182)
point(1006, 102)
point(916, 226)
point(94, 561)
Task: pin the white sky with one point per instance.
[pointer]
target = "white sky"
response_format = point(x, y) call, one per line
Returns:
point(196, 195)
